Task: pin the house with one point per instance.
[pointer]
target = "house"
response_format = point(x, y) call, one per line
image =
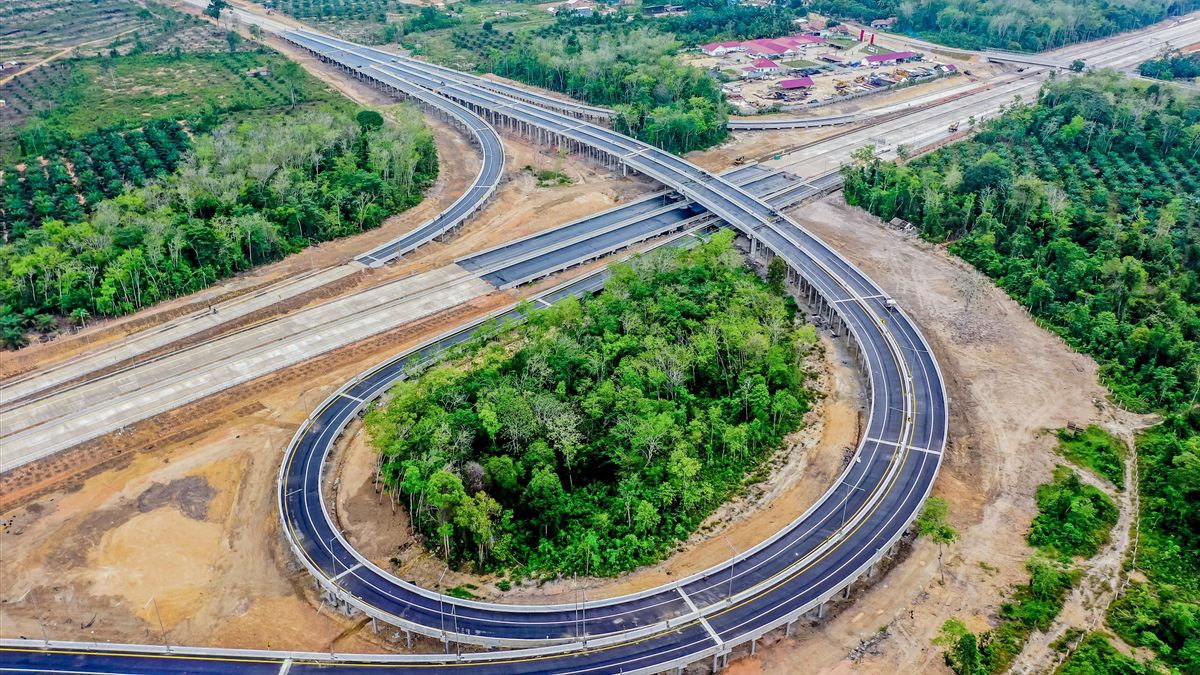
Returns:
point(796, 83)
point(830, 58)
point(891, 57)
point(885, 24)
point(722, 48)
point(764, 67)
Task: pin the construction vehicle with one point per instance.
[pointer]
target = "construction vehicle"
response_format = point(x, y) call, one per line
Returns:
point(740, 159)
point(954, 126)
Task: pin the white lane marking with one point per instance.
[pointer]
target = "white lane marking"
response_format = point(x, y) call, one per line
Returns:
point(348, 571)
point(287, 665)
point(711, 633)
point(544, 302)
point(860, 298)
point(898, 445)
point(352, 398)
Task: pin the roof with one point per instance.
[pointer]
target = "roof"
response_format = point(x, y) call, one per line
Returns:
point(893, 56)
point(829, 57)
point(765, 46)
point(764, 63)
point(796, 83)
point(727, 44)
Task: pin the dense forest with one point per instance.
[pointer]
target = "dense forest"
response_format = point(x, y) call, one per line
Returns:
point(1085, 208)
point(1172, 64)
point(1008, 24)
point(595, 436)
point(245, 194)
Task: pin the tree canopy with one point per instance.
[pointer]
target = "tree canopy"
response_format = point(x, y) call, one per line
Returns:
point(601, 432)
point(246, 194)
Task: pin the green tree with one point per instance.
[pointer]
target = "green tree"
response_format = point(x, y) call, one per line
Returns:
point(932, 523)
point(215, 7)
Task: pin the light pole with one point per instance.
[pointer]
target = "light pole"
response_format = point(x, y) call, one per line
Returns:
point(161, 627)
point(846, 501)
point(37, 610)
point(442, 609)
point(729, 593)
point(333, 637)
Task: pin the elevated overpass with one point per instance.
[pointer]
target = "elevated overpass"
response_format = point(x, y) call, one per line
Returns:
point(858, 520)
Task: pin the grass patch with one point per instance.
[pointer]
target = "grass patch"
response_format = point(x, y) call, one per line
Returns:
point(1073, 519)
point(801, 63)
point(1095, 449)
point(1096, 656)
point(549, 177)
point(462, 592)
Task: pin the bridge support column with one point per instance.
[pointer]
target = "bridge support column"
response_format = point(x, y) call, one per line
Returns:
point(787, 629)
point(375, 625)
point(753, 647)
point(753, 247)
point(846, 591)
point(821, 611)
point(408, 638)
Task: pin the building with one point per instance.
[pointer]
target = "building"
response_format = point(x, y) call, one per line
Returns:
point(765, 67)
point(890, 58)
point(796, 83)
point(722, 48)
point(885, 24)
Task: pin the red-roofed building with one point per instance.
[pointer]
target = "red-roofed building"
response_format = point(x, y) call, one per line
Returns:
point(765, 66)
point(801, 40)
point(796, 83)
point(893, 57)
point(769, 48)
point(722, 48)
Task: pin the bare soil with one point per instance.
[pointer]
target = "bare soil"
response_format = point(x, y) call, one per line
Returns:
point(177, 519)
point(1009, 381)
point(801, 471)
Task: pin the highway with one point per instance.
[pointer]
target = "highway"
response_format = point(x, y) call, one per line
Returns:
point(482, 187)
point(824, 551)
point(790, 573)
